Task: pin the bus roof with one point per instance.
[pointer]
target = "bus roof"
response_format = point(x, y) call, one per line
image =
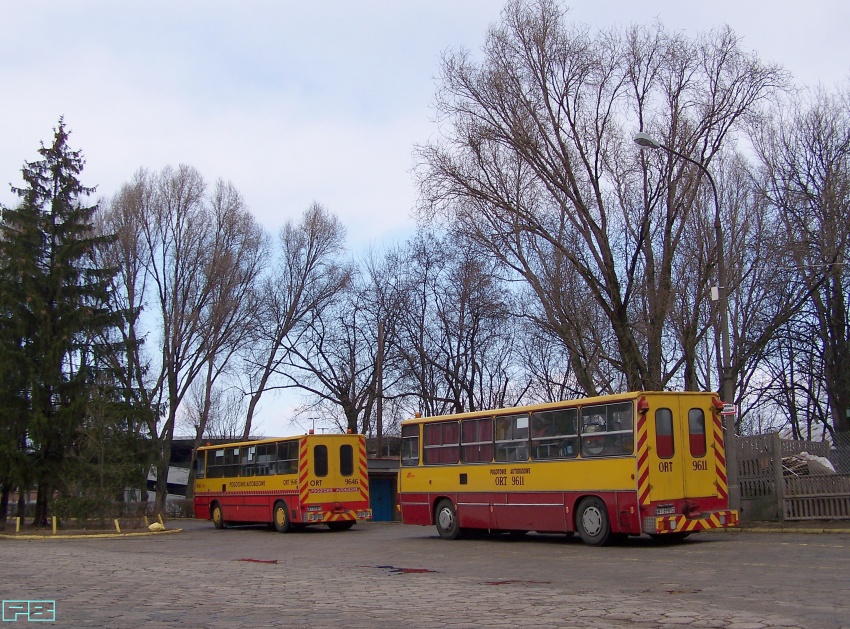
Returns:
point(599, 399)
point(265, 440)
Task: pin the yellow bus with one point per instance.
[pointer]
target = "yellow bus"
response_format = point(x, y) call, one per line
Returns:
point(605, 467)
point(287, 483)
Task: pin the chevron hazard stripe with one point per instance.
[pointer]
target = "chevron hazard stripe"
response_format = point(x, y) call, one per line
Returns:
point(681, 524)
point(643, 460)
point(720, 458)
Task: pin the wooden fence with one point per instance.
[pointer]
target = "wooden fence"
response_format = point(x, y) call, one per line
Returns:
point(769, 492)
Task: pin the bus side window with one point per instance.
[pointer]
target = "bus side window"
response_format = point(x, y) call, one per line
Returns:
point(346, 460)
point(512, 438)
point(215, 464)
point(265, 459)
point(442, 443)
point(607, 429)
point(664, 433)
point(231, 462)
point(410, 445)
point(476, 439)
point(200, 459)
point(696, 432)
point(554, 434)
point(249, 461)
point(287, 457)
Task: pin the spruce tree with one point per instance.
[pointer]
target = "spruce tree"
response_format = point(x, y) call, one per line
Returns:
point(52, 310)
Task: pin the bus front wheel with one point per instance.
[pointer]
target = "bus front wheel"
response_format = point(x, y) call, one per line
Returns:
point(446, 520)
point(217, 516)
point(281, 517)
point(592, 522)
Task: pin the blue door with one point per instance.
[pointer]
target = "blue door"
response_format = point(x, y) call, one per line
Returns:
point(381, 497)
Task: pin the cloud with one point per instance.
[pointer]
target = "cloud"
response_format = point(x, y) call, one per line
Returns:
point(295, 102)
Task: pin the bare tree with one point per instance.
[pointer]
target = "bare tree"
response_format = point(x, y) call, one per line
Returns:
point(334, 361)
point(805, 156)
point(343, 358)
point(220, 410)
point(456, 341)
point(538, 152)
point(239, 247)
point(194, 277)
point(306, 277)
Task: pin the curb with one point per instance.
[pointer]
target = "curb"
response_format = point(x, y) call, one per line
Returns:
point(93, 535)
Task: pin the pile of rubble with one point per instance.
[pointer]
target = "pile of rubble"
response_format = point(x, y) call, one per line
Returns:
point(805, 464)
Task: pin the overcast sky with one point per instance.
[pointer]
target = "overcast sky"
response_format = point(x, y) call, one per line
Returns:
point(295, 102)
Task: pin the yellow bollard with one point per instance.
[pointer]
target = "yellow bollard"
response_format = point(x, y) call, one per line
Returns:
point(54, 525)
point(146, 521)
point(18, 524)
point(159, 517)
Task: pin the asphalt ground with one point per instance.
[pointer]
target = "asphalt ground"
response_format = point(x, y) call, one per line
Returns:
point(391, 575)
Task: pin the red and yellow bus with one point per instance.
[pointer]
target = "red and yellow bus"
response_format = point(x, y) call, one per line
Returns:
point(287, 483)
point(605, 467)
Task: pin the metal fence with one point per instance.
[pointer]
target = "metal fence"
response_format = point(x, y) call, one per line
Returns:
point(839, 454)
point(782, 479)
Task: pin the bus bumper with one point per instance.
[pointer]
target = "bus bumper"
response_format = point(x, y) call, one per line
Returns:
point(682, 524)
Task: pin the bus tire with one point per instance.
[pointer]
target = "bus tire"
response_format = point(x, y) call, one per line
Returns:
point(280, 516)
point(341, 526)
point(218, 516)
point(592, 522)
point(445, 517)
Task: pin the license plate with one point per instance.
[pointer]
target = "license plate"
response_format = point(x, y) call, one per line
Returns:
point(665, 510)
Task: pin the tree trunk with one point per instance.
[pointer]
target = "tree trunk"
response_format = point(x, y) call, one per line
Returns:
point(379, 393)
point(4, 506)
point(161, 485)
point(40, 518)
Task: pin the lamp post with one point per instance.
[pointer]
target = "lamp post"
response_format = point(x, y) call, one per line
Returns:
point(727, 392)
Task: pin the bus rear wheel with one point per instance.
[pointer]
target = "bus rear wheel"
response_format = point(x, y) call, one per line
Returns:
point(445, 518)
point(592, 522)
point(281, 517)
point(341, 526)
point(217, 516)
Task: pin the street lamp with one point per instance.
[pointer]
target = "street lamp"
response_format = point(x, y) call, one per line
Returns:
point(727, 393)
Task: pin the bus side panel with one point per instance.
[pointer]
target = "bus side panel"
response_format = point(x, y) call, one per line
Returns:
point(231, 507)
point(531, 511)
point(415, 508)
point(201, 506)
point(256, 508)
point(473, 510)
point(204, 497)
point(627, 518)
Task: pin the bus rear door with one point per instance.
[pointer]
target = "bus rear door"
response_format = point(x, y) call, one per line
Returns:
point(333, 479)
point(665, 460)
point(702, 452)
